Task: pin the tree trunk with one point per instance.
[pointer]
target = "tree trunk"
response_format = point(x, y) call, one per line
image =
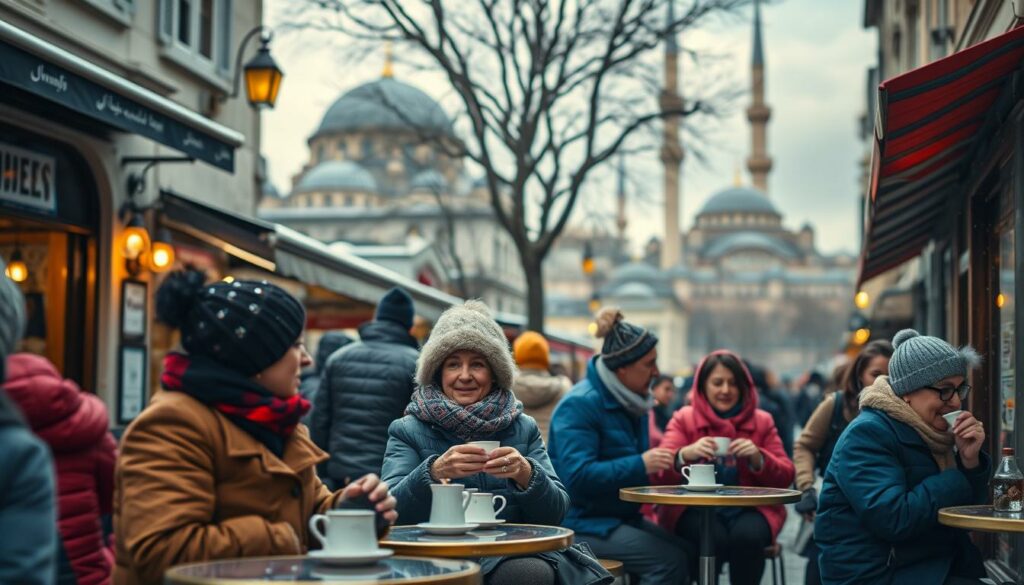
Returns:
point(532, 268)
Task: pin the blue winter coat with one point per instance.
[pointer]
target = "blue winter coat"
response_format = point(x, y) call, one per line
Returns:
point(877, 520)
point(28, 504)
point(596, 447)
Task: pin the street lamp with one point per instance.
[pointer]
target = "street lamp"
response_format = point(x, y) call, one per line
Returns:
point(262, 75)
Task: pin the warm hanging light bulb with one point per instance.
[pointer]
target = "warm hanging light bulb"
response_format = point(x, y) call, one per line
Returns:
point(135, 237)
point(161, 255)
point(17, 270)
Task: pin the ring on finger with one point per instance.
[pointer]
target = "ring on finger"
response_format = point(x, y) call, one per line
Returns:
point(504, 468)
point(507, 462)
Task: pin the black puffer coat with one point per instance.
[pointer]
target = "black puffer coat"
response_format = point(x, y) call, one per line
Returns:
point(364, 387)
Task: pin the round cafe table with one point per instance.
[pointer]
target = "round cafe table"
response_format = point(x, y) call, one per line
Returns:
point(705, 503)
point(301, 569)
point(981, 518)
point(502, 540)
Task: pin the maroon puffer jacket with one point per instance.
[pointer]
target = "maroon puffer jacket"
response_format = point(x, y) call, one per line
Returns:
point(75, 425)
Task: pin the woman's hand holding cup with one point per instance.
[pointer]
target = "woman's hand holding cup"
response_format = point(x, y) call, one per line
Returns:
point(702, 448)
point(748, 450)
point(969, 435)
point(459, 461)
point(508, 463)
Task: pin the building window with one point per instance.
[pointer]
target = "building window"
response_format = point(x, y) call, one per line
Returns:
point(196, 34)
point(119, 10)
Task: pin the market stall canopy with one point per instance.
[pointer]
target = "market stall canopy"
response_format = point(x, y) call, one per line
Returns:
point(44, 70)
point(927, 125)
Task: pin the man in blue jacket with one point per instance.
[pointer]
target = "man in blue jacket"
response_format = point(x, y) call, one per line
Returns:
point(598, 444)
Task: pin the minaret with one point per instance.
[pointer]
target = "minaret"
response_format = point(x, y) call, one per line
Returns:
point(671, 149)
point(759, 164)
point(620, 218)
point(389, 61)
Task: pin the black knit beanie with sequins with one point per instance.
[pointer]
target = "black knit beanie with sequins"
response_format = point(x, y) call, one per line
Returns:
point(246, 325)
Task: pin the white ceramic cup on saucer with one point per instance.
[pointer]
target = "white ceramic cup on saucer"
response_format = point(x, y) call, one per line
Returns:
point(448, 504)
point(481, 508)
point(487, 446)
point(721, 445)
point(349, 532)
point(699, 474)
point(951, 418)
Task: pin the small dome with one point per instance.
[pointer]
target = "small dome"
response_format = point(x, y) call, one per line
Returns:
point(637, 272)
point(746, 241)
point(337, 175)
point(634, 290)
point(738, 200)
point(384, 104)
point(429, 180)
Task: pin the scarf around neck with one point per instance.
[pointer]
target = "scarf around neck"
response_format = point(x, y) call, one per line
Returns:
point(251, 407)
point(880, 396)
point(634, 404)
point(495, 412)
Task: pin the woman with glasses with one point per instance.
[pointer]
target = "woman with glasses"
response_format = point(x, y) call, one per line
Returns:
point(896, 465)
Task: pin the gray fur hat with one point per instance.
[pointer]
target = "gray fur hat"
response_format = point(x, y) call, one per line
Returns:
point(921, 360)
point(467, 327)
point(12, 316)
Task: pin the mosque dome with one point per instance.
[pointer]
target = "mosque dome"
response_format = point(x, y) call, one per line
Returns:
point(734, 242)
point(337, 175)
point(738, 200)
point(430, 180)
point(384, 104)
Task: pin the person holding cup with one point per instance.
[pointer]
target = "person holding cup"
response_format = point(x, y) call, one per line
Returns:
point(464, 429)
point(218, 465)
point(722, 435)
point(896, 465)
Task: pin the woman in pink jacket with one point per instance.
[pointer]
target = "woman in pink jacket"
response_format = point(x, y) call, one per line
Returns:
point(724, 404)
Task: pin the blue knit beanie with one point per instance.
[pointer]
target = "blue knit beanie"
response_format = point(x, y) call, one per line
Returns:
point(624, 343)
point(396, 306)
point(921, 360)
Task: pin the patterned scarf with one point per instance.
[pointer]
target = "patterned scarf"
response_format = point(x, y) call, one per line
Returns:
point(881, 397)
point(477, 421)
point(269, 419)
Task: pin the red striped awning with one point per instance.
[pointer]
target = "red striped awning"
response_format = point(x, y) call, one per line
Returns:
point(927, 123)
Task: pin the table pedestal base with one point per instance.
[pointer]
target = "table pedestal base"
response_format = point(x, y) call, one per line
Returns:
point(708, 570)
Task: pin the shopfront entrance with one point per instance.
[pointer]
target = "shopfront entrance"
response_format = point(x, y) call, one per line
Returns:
point(48, 234)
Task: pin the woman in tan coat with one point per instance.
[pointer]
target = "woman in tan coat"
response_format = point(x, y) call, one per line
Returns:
point(218, 466)
point(813, 449)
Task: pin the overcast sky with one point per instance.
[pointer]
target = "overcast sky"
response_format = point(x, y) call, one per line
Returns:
point(816, 67)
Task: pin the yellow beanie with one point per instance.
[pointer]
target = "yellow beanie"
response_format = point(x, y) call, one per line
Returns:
point(531, 351)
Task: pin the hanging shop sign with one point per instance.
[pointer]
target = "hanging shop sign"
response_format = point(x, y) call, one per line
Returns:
point(47, 80)
point(28, 179)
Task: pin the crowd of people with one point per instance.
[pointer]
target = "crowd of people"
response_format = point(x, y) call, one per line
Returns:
point(249, 438)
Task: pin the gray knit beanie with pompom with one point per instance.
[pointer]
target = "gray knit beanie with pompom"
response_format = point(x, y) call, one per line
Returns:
point(921, 360)
point(624, 342)
point(471, 327)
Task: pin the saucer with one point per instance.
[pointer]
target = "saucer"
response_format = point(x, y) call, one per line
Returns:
point(447, 529)
point(489, 523)
point(702, 488)
point(350, 560)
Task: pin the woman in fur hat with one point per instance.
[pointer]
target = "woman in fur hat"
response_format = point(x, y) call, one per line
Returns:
point(464, 377)
point(896, 465)
point(218, 466)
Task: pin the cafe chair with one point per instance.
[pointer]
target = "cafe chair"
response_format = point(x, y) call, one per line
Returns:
point(773, 553)
point(615, 568)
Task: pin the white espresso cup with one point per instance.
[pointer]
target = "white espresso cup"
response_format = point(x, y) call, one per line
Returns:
point(448, 504)
point(347, 531)
point(487, 446)
point(951, 418)
point(481, 507)
point(699, 474)
point(721, 445)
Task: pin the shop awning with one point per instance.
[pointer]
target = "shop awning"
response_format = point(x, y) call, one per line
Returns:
point(928, 121)
point(54, 74)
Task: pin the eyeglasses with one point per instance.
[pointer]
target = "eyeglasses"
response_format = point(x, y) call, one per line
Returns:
point(946, 393)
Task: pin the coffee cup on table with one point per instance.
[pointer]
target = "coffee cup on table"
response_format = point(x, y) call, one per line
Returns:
point(699, 474)
point(448, 504)
point(487, 446)
point(481, 507)
point(951, 418)
point(721, 445)
point(346, 531)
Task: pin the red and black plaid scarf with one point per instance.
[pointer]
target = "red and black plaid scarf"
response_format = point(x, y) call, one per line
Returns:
point(271, 420)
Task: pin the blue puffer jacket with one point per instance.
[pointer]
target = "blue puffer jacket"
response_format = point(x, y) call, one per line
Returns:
point(414, 445)
point(877, 520)
point(596, 447)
